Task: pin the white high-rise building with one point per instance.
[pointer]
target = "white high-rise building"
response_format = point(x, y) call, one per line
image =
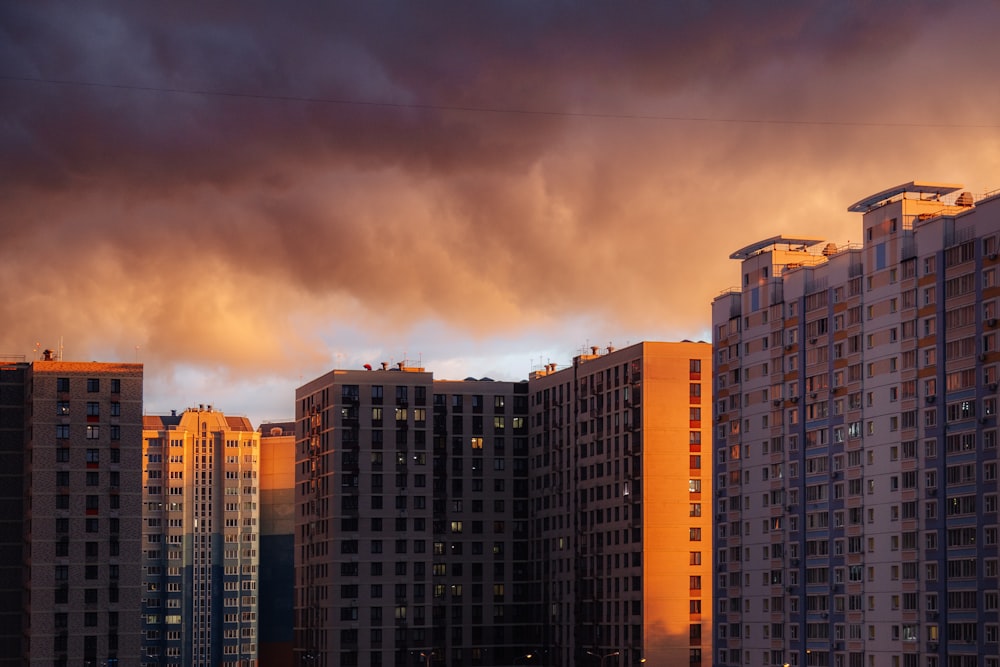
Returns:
point(200, 540)
point(856, 441)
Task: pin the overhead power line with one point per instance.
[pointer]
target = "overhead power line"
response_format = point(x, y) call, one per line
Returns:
point(488, 109)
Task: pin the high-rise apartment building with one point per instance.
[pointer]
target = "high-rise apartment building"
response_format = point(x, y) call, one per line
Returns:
point(276, 623)
point(856, 442)
point(200, 540)
point(82, 511)
point(551, 522)
point(621, 502)
point(412, 521)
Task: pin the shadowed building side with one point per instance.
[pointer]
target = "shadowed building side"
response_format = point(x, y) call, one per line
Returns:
point(277, 543)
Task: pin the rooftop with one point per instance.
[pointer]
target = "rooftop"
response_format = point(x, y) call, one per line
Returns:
point(918, 187)
point(754, 248)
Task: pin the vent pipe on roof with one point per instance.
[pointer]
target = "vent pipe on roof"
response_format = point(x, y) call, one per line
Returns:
point(595, 349)
point(385, 365)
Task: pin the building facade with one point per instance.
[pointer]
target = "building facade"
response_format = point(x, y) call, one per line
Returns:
point(855, 450)
point(200, 537)
point(276, 622)
point(82, 513)
point(13, 380)
point(621, 498)
point(411, 528)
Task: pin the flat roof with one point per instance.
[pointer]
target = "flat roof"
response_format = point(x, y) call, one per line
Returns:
point(863, 205)
point(753, 248)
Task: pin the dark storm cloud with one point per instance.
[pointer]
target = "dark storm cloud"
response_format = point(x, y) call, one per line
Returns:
point(194, 178)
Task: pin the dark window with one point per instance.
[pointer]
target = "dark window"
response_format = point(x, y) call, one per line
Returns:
point(62, 384)
point(93, 409)
point(116, 409)
point(116, 386)
point(116, 432)
point(93, 384)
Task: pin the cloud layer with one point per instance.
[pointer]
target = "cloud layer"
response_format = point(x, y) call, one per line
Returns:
point(242, 188)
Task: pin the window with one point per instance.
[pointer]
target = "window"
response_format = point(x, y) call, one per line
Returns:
point(93, 432)
point(93, 385)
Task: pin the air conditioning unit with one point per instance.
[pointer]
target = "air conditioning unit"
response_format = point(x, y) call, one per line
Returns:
point(812, 341)
point(930, 399)
point(992, 256)
point(795, 399)
point(788, 348)
point(813, 395)
point(992, 322)
point(777, 402)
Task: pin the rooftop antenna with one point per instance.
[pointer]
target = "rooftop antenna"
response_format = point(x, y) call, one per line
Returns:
point(60, 348)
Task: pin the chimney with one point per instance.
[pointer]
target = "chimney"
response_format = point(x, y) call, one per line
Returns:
point(385, 365)
point(594, 349)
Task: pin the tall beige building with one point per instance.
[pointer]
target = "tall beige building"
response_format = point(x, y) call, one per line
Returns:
point(200, 540)
point(621, 499)
point(82, 525)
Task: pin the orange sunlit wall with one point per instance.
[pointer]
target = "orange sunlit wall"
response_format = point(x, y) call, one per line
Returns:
point(277, 544)
point(677, 503)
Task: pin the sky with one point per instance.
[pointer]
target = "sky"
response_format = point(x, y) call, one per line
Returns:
point(245, 195)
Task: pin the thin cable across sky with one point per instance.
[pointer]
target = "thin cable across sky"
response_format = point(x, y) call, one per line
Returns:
point(488, 109)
